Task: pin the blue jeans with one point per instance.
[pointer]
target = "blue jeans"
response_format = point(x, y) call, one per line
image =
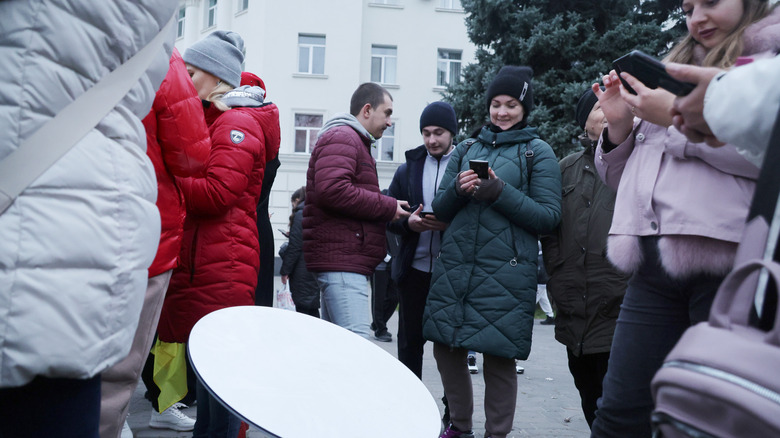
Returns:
point(344, 300)
point(656, 310)
point(213, 420)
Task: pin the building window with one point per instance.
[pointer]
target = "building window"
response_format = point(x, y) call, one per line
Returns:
point(243, 5)
point(211, 13)
point(385, 145)
point(448, 67)
point(386, 2)
point(450, 4)
point(307, 126)
point(180, 22)
point(383, 64)
point(311, 54)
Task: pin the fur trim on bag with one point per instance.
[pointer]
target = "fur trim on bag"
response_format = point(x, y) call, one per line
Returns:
point(681, 256)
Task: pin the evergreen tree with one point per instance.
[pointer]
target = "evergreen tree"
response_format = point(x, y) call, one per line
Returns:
point(570, 44)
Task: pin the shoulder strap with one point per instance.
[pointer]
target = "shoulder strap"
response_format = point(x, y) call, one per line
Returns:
point(529, 160)
point(55, 138)
point(466, 146)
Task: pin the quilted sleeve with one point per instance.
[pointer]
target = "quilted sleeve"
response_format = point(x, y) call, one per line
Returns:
point(181, 126)
point(540, 212)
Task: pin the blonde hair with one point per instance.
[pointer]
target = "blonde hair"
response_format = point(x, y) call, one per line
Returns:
point(215, 97)
point(725, 54)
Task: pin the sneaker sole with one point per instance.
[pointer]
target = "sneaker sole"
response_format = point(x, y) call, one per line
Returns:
point(172, 427)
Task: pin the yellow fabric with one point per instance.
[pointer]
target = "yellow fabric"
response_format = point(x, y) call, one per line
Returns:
point(170, 372)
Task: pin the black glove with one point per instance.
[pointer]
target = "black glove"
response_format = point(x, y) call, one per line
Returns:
point(489, 190)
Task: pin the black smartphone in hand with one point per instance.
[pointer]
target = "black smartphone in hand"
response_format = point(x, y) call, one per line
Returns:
point(650, 72)
point(480, 167)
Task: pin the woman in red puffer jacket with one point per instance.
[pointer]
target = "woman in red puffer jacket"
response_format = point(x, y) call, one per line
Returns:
point(220, 254)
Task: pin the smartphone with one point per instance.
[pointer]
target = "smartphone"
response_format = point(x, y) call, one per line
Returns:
point(650, 72)
point(480, 167)
point(426, 213)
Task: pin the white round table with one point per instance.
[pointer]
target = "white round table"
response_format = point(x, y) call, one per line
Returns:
point(294, 376)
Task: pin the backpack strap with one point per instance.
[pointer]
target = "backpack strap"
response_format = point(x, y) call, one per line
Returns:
point(529, 160)
point(57, 136)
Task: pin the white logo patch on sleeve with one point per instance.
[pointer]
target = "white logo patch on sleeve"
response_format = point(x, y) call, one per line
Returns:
point(236, 136)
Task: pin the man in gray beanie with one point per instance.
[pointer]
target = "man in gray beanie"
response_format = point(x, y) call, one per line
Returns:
point(221, 54)
point(417, 181)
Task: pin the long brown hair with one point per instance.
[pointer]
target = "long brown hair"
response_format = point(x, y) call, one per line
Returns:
point(725, 54)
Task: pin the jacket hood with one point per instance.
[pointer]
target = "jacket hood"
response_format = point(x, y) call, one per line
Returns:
point(245, 95)
point(347, 119)
point(511, 137)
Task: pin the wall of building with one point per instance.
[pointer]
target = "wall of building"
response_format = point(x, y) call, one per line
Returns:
point(418, 28)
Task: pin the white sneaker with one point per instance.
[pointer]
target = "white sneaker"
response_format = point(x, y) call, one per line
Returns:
point(472, 361)
point(126, 431)
point(172, 418)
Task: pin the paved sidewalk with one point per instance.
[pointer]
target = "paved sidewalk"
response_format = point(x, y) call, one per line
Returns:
point(548, 405)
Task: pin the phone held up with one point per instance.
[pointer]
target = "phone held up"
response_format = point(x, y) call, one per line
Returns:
point(650, 72)
point(480, 167)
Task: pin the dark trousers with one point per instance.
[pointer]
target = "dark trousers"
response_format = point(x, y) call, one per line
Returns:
point(213, 420)
point(384, 300)
point(153, 392)
point(500, 389)
point(588, 371)
point(45, 407)
point(656, 310)
point(312, 311)
point(412, 295)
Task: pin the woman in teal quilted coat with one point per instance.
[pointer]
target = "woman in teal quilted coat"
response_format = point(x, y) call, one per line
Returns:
point(483, 289)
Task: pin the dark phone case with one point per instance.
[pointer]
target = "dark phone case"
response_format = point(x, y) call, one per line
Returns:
point(650, 72)
point(480, 167)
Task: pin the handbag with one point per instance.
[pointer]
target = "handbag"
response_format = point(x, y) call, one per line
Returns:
point(57, 136)
point(284, 298)
point(720, 379)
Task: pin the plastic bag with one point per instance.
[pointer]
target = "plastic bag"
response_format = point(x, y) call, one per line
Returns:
point(284, 298)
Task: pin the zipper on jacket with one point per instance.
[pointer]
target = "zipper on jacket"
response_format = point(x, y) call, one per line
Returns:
point(726, 377)
point(660, 418)
point(430, 242)
point(513, 262)
point(192, 253)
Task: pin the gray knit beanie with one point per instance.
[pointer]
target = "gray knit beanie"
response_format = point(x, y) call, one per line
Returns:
point(220, 53)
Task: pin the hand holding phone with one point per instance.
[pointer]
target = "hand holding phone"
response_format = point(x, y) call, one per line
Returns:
point(651, 72)
point(480, 167)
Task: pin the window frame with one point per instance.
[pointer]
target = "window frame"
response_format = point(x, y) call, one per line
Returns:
point(310, 48)
point(384, 64)
point(450, 5)
point(449, 63)
point(211, 13)
point(181, 21)
point(309, 145)
point(378, 151)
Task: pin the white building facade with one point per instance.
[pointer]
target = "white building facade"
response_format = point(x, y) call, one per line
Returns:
point(312, 54)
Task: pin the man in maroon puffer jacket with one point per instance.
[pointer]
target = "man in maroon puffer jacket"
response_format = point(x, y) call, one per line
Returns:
point(345, 214)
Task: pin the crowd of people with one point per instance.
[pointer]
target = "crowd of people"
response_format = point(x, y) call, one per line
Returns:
point(637, 229)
